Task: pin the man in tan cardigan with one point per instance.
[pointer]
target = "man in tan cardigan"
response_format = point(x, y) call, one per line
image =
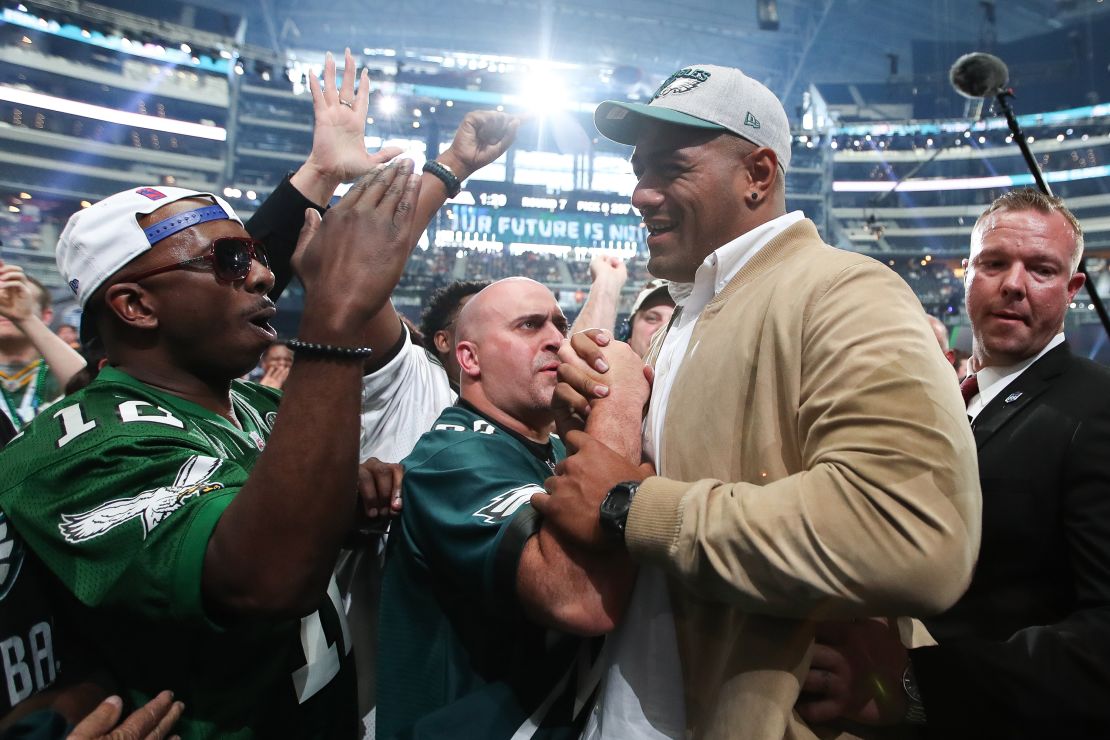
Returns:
point(813, 456)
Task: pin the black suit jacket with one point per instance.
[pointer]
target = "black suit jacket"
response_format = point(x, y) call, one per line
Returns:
point(1026, 651)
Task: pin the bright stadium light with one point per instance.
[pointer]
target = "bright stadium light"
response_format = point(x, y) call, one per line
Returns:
point(544, 92)
point(388, 105)
point(111, 115)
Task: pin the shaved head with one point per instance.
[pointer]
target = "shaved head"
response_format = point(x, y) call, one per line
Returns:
point(508, 338)
point(476, 315)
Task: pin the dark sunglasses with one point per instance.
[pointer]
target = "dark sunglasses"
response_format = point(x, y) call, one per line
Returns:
point(230, 257)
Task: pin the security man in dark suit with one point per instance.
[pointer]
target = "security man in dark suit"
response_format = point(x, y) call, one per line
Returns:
point(1025, 653)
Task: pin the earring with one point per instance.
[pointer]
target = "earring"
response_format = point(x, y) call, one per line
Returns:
point(755, 197)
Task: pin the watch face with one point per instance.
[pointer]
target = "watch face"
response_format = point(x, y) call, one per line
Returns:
point(614, 508)
point(909, 683)
point(615, 503)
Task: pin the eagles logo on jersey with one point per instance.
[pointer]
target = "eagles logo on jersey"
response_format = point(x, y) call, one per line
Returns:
point(504, 505)
point(151, 507)
point(11, 556)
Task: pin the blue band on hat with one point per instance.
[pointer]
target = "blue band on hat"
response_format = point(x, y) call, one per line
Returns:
point(173, 224)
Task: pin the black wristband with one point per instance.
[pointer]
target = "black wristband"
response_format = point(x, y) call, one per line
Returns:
point(444, 173)
point(329, 350)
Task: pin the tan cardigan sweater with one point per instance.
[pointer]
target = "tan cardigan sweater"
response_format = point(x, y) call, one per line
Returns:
point(819, 465)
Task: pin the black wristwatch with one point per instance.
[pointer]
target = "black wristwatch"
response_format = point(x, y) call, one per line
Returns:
point(614, 508)
point(915, 708)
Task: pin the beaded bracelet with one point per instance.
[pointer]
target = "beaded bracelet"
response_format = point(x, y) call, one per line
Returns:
point(328, 350)
point(443, 172)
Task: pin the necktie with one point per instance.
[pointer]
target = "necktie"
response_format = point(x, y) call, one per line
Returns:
point(969, 388)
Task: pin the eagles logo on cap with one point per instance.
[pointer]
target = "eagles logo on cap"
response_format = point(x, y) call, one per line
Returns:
point(733, 102)
point(684, 80)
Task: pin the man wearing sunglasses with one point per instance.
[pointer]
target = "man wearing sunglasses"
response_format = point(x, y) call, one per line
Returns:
point(404, 388)
point(170, 505)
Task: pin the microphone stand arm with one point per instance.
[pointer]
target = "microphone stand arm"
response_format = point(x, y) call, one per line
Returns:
point(1003, 98)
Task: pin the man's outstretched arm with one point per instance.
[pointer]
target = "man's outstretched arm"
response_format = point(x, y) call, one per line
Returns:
point(339, 155)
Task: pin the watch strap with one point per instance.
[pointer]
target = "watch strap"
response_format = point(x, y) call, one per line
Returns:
point(450, 181)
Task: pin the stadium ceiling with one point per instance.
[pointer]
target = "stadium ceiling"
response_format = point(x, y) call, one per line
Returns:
point(815, 40)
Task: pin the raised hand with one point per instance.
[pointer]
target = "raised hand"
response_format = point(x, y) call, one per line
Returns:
point(608, 274)
point(608, 267)
point(17, 300)
point(275, 376)
point(338, 135)
point(350, 260)
point(482, 137)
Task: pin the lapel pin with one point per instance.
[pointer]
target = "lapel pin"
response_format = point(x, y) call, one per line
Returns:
point(1013, 397)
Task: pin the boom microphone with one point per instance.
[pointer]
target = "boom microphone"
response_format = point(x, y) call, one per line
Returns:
point(979, 75)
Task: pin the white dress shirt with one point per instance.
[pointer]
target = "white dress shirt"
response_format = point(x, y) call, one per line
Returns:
point(712, 276)
point(993, 380)
point(642, 694)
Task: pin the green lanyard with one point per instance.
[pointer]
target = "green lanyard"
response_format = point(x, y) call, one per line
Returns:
point(26, 409)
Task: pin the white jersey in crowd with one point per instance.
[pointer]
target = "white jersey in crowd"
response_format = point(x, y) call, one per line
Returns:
point(400, 402)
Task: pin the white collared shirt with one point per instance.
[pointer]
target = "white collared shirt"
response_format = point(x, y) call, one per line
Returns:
point(993, 380)
point(642, 695)
point(712, 276)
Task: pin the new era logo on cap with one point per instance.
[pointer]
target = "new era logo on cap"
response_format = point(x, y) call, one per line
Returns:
point(151, 193)
point(74, 284)
point(750, 120)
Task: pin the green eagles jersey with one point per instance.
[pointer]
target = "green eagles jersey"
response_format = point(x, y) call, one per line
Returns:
point(117, 489)
point(461, 657)
point(29, 655)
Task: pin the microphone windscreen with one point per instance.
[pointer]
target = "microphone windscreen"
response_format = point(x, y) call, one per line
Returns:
point(979, 75)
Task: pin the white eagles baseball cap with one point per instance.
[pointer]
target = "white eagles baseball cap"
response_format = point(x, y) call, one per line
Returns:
point(708, 97)
point(99, 240)
point(652, 289)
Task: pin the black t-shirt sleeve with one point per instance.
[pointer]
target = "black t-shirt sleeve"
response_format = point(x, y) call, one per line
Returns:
point(277, 223)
